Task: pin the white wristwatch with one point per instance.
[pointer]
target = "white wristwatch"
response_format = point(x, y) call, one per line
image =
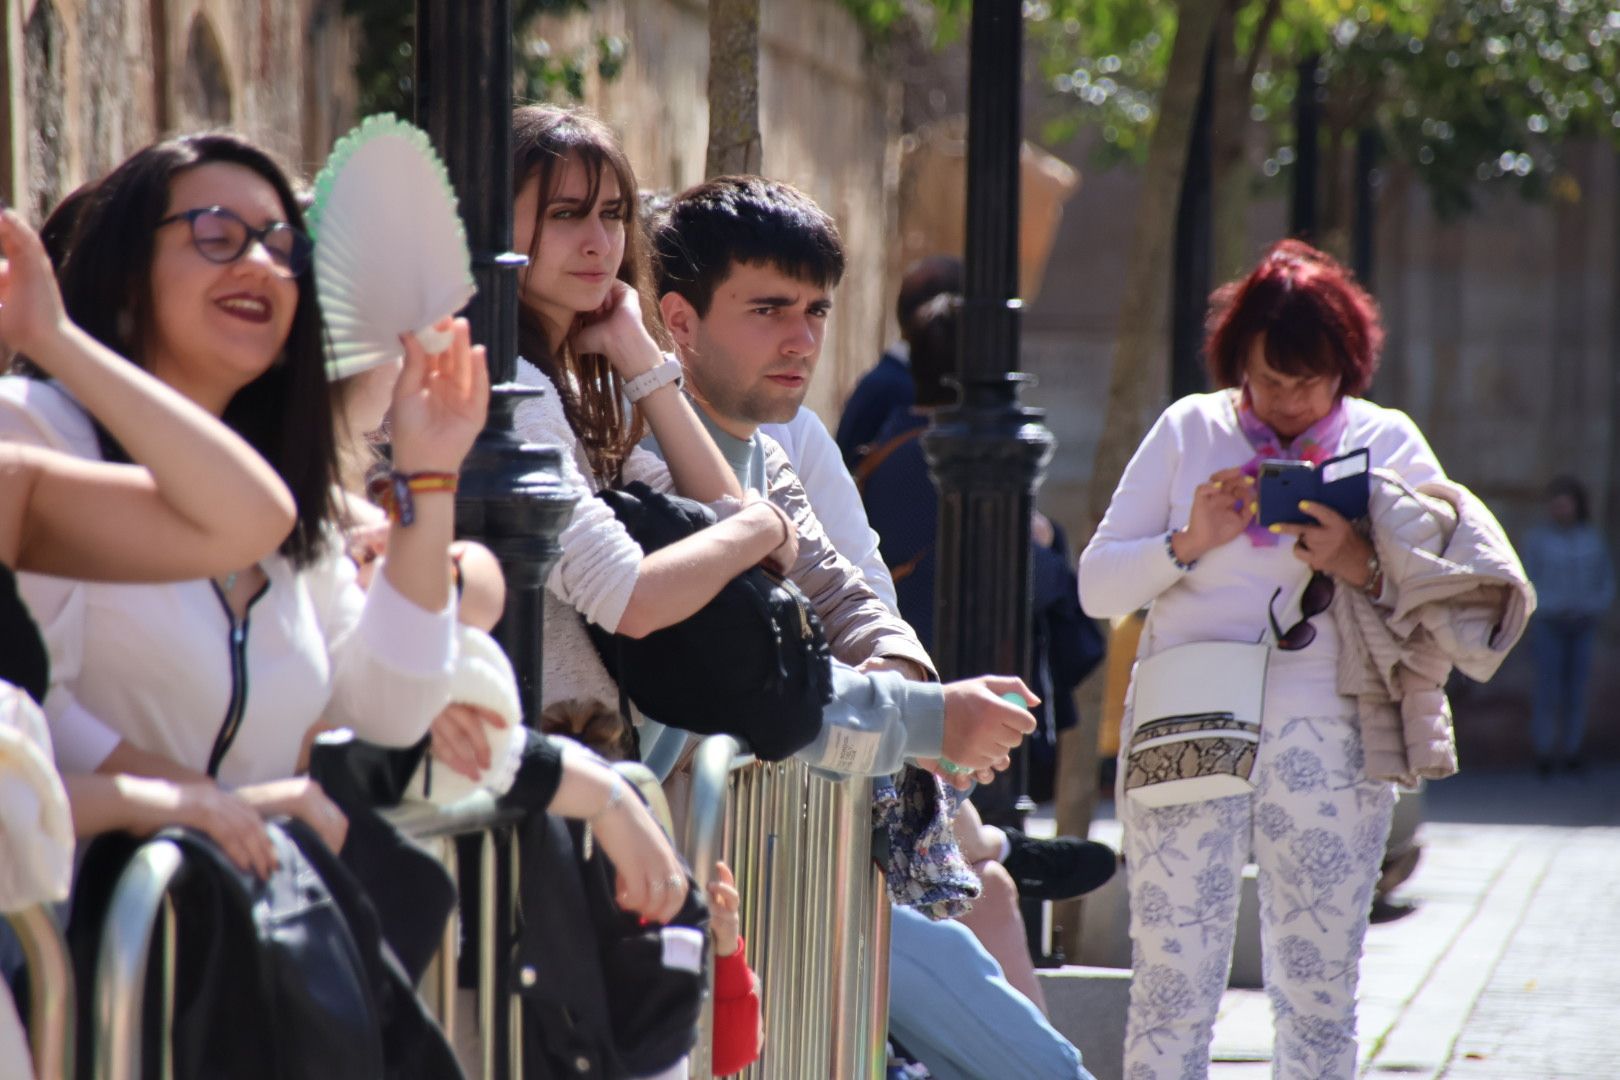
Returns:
point(648, 381)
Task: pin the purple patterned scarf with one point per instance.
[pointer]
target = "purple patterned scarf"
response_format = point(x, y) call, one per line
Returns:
point(1315, 444)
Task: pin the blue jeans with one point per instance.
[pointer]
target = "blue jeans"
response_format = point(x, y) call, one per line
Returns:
point(1562, 645)
point(950, 1005)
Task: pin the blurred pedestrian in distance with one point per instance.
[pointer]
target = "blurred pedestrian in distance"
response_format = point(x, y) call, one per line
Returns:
point(1569, 564)
point(888, 386)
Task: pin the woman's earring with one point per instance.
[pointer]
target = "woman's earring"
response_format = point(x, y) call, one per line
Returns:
point(124, 326)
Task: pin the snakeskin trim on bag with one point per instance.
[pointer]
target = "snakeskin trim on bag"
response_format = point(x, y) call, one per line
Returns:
point(1188, 759)
point(1185, 725)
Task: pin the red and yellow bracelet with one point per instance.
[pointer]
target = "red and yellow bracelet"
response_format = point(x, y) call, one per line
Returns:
point(396, 492)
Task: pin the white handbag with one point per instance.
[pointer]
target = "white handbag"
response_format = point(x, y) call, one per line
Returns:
point(1195, 725)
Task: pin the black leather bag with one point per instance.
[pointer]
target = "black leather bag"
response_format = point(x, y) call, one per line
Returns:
point(753, 662)
point(613, 998)
point(276, 980)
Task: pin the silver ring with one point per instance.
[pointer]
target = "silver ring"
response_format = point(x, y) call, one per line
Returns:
point(675, 881)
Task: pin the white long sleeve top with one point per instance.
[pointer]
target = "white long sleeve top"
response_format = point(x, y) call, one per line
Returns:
point(165, 666)
point(1224, 597)
point(597, 570)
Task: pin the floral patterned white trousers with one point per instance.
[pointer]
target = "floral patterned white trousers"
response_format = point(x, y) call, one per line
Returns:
point(1315, 827)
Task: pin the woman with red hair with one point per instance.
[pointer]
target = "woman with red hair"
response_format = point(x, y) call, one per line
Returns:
point(1291, 349)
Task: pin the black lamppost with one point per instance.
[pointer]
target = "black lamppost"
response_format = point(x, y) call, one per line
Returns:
point(511, 497)
point(988, 453)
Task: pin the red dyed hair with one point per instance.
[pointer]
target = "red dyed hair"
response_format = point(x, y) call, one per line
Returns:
point(1307, 309)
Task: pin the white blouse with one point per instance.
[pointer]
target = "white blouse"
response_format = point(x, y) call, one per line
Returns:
point(166, 667)
point(1224, 597)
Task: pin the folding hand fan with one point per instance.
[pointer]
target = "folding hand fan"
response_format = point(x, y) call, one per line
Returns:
point(390, 252)
point(483, 677)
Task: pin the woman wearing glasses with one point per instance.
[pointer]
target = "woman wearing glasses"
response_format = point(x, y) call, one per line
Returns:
point(191, 260)
point(1291, 348)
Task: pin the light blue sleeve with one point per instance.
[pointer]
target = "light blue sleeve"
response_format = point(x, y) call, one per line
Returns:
point(875, 722)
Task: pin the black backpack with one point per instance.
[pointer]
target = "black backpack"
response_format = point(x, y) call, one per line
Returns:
point(753, 662)
point(612, 998)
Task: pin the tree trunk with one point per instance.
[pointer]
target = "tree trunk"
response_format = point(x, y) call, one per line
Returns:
point(1338, 164)
point(1136, 383)
point(1229, 154)
point(734, 144)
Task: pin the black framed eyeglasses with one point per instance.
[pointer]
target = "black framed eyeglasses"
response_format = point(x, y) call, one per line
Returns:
point(221, 236)
point(1315, 600)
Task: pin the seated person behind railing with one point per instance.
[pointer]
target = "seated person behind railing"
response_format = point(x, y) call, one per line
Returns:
point(747, 266)
point(576, 216)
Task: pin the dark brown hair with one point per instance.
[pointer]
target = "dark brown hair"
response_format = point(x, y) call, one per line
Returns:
point(545, 139)
point(1307, 309)
point(729, 220)
point(103, 240)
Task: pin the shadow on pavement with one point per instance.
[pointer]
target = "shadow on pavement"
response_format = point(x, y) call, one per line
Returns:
point(1589, 797)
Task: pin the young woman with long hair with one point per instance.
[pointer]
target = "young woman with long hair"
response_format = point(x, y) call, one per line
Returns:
point(590, 339)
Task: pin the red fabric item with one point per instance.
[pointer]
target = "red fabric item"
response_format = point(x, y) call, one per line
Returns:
point(738, 1036)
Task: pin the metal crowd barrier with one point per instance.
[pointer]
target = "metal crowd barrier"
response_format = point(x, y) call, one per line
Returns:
point(51, 1001)
point(815, 911)
point(140, 914)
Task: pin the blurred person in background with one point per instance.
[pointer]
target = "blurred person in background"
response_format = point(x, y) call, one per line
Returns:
point(1568, 562)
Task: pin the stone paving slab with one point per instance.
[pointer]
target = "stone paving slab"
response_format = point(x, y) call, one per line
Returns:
point(1551, 1008)
point(1491, 975)
point(1508, 966)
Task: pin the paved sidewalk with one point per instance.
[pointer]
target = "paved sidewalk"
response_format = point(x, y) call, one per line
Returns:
point(1508, 966)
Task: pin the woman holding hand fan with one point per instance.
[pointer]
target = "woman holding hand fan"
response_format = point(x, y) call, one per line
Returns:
point(191, 259)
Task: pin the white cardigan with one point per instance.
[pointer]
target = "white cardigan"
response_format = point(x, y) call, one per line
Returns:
point(1224, 597)
point(597, 570)
point(152, 664)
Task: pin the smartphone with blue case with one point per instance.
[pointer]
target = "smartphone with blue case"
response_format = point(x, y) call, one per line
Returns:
point(1341, 483)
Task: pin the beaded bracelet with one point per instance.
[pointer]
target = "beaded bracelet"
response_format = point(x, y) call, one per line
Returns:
point(394, 492)
point(1170, 550)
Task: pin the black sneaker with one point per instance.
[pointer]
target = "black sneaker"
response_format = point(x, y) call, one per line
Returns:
point(1057, 869)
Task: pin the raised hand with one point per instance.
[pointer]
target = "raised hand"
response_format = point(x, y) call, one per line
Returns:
point(725, 910)
point(615, 330)
point(439, 403)
point(30, 303)
point(1332, 546)
point(980, 728)
point(1222, 508)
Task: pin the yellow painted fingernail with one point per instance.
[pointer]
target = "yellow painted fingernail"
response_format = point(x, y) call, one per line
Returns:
point(1303, 505)
point(1254, 508)
point(1275, 528)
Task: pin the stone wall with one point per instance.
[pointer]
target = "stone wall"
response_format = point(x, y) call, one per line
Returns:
point(87, 82)
point(827, 119)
